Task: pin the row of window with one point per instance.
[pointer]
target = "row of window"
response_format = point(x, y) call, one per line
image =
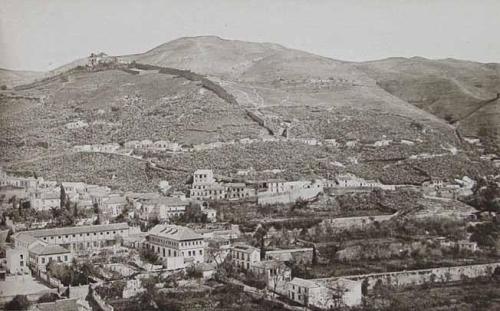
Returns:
point(83, 234)
point(169, 251)
point(43, 260)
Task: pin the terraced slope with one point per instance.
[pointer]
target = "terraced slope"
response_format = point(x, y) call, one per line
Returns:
point(462, 92)
point(234, 90)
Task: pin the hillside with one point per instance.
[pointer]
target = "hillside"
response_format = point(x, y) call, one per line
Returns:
point(260, 105)
point(11, 78)
point(461, 92)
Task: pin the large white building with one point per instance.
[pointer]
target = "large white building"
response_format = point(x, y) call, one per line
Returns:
point(176, 245)
point(81, 238)
point(205, 187)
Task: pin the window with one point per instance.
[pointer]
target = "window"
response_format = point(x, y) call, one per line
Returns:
point(74, 235)
point(201, 252)
point(43, 259)
point(58, 258)
point(21, 256)
point(65, 257)
point(21, 263)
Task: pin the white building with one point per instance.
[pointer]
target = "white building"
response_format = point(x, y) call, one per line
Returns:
point(81, 238)
point(164, 208)
point(238, 191)
point(244, 256)
point(325, 293)
point(275, 274)
point(205, 187)
point(176, 245)
point(45, 200)
point(41, 255)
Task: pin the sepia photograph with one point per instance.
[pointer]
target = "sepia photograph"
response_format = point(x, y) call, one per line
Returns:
point(248, 155)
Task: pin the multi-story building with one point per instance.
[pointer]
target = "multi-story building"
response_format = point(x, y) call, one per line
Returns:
point(41, 255)
point(205, 187)
point(171, 242)
point(79, 238)
point(244, 256)
point(164, 208)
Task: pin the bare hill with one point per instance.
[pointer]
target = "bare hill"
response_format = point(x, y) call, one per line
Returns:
point(462, 92)
point(323, 115)
point(12, 78)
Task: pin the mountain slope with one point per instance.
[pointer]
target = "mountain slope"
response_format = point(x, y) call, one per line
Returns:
point(262, 105)
point(461, 92)
point(11, 78)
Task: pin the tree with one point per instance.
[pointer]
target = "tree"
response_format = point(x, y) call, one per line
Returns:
point(62, 197)
point(19, 302)
point(259, 236)
point(49, 297)
point(486, 196)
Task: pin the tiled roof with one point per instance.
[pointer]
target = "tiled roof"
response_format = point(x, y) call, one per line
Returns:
point(173, 232)
point(77, 229)
point(51, 249)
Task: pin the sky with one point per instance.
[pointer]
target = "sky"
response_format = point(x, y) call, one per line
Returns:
point(44, 34)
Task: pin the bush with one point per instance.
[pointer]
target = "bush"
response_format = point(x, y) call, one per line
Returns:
point(19, 302)
point(49, 297)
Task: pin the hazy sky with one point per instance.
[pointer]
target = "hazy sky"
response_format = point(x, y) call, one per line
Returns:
point(44, 34)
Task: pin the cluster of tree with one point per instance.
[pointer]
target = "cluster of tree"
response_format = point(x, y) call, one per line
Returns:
point(19, 302)
point(486, 196)
point(193, 214)
point(148, 255)
point(68, 274)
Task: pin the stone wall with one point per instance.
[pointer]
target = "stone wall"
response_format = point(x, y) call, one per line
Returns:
point(426, 276)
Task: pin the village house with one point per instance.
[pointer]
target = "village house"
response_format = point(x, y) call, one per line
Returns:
point(285, 192)
point(176, 245)
point(74, 187)
point(163, 208)
point(325, 293)
point(244, 256)
point(112, 205)
point(17, 257)
point(76, 125)
point(352, 181)
point(211, 214)
point(45, 200)
point(166, 146)
point(298, 255)
point(238, 191)
point(20, 182)
point(274, 273)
